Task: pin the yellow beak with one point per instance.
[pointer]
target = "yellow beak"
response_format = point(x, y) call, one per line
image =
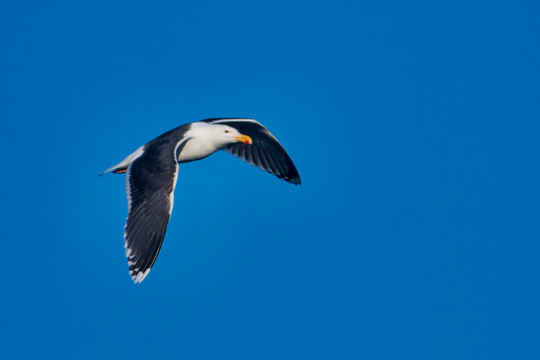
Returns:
point(244, 138)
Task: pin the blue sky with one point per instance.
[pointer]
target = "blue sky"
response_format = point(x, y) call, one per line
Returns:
point(415, 128)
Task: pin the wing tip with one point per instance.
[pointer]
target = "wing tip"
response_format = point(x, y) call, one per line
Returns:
point(295, 180)
point(138, 276)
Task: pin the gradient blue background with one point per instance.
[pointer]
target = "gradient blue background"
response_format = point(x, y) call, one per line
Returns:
point(415, 234)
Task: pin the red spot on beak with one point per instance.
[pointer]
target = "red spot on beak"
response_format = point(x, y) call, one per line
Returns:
point(243, 138)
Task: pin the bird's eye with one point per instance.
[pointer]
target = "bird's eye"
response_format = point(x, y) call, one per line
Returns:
point(226, 131)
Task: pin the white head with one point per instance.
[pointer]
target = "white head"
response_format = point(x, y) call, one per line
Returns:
point(223, 135)
point(205, 139)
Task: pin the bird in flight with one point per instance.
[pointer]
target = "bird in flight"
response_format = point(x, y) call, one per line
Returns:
point(151, 173)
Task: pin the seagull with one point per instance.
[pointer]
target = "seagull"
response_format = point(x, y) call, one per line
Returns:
point(152, 170)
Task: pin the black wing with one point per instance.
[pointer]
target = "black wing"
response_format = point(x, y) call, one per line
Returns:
point(150, 182)
point(265, 152)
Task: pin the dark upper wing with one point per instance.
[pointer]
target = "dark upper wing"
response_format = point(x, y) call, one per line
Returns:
point(265, 152)
point(150, 182)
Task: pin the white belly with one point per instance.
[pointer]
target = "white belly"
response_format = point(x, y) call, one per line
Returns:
point(196, 150)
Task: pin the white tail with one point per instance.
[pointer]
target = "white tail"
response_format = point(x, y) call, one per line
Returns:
point(123, 165)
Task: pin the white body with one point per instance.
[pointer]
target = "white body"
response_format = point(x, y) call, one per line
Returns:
point(201, 140)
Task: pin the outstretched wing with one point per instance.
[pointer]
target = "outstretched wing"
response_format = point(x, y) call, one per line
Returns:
point(265, 152)
point(150, 182)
